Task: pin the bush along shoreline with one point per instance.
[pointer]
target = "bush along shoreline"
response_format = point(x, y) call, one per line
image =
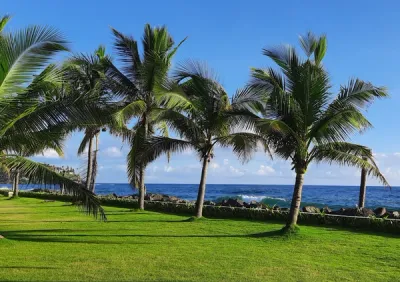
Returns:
point(377, 220)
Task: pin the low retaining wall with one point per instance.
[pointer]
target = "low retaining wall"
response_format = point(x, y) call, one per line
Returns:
point(369, 223)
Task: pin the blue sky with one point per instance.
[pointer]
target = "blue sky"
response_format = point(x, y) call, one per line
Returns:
point(363, 41)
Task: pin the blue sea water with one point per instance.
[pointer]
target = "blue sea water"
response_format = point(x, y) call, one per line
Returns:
point(332, 196)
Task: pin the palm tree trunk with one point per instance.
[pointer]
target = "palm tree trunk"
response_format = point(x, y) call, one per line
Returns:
point(202, 188)
point(363, 188)
point(296, 200)
point(142, 187)
point(94, 166)
point(62, 188)
point(89, 165)
point(16, 184)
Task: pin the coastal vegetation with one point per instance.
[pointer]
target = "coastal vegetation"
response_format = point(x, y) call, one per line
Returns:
point(289, 113)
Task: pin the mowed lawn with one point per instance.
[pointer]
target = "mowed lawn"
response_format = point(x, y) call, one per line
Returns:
point(54, 241)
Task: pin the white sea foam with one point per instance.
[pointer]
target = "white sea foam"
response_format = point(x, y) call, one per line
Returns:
point(248, 198)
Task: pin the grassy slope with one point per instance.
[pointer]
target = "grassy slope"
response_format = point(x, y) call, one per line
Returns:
point(53, 241)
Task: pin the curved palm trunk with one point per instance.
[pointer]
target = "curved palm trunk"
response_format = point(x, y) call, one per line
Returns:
point(142, 187)
point(296, 200)
point(16, 184)
point(202, 188)
point(363, 188)
point(89, 170)
point(94, 164)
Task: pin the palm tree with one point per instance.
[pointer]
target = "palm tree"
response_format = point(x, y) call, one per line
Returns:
point(303, 122)
point(207, 119)
point(140, 85)
point(34, 110)
point(87, 75)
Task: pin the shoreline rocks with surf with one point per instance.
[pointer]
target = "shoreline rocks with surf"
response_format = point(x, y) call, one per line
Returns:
point(381, 212)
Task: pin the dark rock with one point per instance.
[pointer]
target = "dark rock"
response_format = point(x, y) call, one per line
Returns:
point(341, 211)
point(365, 212)
point(326, 210)
point(254, 205)
point(276, 208)
point(394, 215)
point(209, 203)
point(223, 203)
point(285, 209)
point(311, 209)
point(181, 201)
point(358, 212)
point(174, 199)
point(246, 205)
point(235, 203)
point(232, 203)
point(380, 211)
point(115, 195)
point(154, 197)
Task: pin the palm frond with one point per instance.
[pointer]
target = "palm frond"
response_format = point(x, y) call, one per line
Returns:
point(40, 173)
point(130, 110)
point(3, 21)
point(127, 49)
point(25, 52)
point(157, 145)
point(344, 153)
point(244, 144)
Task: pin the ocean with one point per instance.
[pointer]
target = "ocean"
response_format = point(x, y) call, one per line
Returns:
point(280, 195)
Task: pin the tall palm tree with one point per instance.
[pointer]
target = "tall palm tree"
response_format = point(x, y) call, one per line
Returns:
point(34, 110)
point(140, 85)
point(87, 75)
point(206, 119)
point(303, 121)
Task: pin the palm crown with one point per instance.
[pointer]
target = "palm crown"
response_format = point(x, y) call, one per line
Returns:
point(140, 84)
point(301, 119)
point(86, 76)
point(203, 117)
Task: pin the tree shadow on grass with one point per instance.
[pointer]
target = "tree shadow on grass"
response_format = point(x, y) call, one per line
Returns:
point(29, 267)
point(33, 236)
point(362, 231)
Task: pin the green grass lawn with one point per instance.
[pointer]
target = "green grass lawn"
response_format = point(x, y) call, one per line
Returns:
point(54, 241)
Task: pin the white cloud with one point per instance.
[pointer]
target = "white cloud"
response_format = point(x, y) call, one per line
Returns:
point(48, 154)
point(226, 161)
point(396, 154)
point(112, 152)
point(168, 168)
point(235, 171)
point(214, 166)
point(265, 170)
point(381, 155)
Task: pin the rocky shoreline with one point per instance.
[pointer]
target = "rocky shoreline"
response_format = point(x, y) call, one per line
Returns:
point(380, 212)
